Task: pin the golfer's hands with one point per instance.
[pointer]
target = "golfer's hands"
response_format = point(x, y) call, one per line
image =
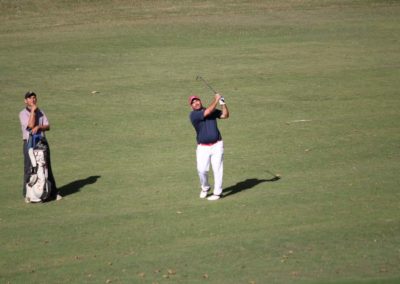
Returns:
point(35, 129)
point(220, 99)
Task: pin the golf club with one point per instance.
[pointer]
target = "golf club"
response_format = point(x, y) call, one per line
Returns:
point(276, 176)
point(205, 82)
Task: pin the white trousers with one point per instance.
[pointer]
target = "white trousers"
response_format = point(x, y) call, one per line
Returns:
point(213, 154)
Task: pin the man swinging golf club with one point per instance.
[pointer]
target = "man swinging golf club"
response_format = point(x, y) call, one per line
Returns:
point(210, 147)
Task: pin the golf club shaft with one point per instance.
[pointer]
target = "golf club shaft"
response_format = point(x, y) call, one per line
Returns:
point(208, 85)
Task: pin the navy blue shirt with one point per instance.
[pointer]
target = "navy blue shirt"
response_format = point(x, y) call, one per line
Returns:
point(206, 127)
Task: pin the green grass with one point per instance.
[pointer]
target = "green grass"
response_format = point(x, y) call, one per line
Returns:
point(124, 157)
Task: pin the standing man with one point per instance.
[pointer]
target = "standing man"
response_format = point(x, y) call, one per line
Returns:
point(210, 147)
point(34, 122)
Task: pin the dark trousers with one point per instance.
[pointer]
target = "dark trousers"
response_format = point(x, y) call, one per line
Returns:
point(27, 170)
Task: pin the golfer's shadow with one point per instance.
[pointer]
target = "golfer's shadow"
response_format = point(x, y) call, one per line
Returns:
point(246, 184)
point(76, 186)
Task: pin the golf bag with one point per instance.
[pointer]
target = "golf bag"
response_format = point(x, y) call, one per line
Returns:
point(38, 187)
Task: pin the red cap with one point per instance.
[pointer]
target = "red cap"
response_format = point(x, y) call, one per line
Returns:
point(191, 98)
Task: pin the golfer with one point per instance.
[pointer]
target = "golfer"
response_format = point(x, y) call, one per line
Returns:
point(34, 121)
point(210, 147)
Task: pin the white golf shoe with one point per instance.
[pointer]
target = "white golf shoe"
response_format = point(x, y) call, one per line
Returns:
point(204, 192)
point(214, 197)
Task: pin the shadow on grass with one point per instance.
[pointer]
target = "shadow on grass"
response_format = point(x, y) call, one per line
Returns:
point(76, 186)
point(246, 184)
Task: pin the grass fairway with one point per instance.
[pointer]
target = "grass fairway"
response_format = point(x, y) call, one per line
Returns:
point(313, 90)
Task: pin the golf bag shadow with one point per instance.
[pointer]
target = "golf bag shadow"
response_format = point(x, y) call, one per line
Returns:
point(38, 187)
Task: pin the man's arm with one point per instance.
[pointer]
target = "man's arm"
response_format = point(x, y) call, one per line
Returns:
point(32, 117)
point(225, 111)
point(38, 128)
point(23, 119)
point(212, 106)
point(32, 122)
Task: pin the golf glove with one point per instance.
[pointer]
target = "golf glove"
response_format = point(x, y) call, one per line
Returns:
point(221, 101)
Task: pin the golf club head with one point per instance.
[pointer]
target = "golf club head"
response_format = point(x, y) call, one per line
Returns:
point(276, 176)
